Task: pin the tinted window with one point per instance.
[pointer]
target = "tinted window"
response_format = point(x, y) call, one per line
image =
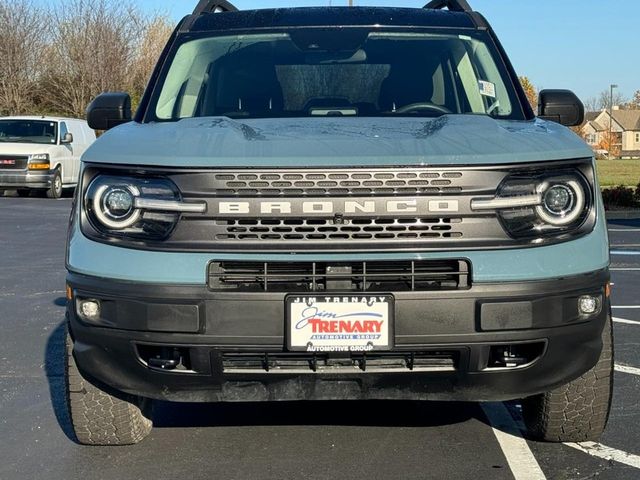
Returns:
point(28, 131)
point(336, 72)
point(63, 130)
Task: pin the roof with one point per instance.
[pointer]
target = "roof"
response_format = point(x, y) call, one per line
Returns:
point(39, 117)
point(332, 16)
point(627, 119)
point(591, 116)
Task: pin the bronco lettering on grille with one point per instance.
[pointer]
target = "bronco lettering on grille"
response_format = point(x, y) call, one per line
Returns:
point(330, 207)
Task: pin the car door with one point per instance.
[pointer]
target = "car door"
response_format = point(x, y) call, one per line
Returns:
point(69, 170)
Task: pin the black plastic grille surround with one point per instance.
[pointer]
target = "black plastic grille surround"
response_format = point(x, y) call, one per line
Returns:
point(358, 217)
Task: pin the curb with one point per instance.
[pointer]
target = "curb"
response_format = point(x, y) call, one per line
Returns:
point(632, 213)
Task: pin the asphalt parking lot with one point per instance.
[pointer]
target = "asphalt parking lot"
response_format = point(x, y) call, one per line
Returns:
point(279, 441)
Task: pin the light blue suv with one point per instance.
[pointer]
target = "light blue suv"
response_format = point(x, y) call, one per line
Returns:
point(337, 203)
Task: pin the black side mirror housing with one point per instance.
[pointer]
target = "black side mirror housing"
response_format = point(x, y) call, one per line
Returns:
point(561, 106)
point(109, 110)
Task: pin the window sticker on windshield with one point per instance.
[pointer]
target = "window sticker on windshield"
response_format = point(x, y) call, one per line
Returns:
point(487, 89)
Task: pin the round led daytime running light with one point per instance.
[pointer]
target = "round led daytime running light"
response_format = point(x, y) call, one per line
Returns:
point(563, 201)
point(123, 198)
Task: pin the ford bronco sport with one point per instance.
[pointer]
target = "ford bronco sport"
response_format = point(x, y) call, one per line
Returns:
point(337, 203)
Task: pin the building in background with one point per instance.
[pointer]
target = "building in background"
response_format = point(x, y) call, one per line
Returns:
point(624, 125)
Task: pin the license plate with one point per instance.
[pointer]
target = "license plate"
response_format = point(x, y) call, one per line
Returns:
point(339, 323)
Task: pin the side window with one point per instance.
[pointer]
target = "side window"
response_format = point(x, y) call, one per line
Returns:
point(63, 130)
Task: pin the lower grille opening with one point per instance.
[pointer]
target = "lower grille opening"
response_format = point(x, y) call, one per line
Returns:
point(514, 356)
point(437, 361)
point(294, 277)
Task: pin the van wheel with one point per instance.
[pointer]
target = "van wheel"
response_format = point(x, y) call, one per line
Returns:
point(55, 191)
point(99, 417)
point(23, 192)
point(578, 411)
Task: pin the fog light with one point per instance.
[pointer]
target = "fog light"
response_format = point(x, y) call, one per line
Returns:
point(588, 305)
point(90, 309)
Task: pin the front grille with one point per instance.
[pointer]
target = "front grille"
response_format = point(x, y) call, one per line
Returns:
point(295, 277)
point(387, 362)
point(340, 183)
point(13, 162)
point(252, 229)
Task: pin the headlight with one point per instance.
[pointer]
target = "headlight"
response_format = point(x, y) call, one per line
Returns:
point(538, 205)
point(114, 205)
point(563, 201)
point(131, 207)
point(39, 161)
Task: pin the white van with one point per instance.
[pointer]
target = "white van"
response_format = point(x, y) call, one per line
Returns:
point(42, 153)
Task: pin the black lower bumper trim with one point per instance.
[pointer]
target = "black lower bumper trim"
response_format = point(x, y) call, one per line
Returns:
point(232, 346)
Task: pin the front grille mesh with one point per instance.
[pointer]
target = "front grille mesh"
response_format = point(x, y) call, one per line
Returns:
point(337, 184)
point(252, 229)
point(293, 277)
point(274, 363)
point(13, 162)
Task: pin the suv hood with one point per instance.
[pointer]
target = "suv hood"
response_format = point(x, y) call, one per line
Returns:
point(333, 142)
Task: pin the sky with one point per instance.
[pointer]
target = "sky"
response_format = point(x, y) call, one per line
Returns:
point(576, 44)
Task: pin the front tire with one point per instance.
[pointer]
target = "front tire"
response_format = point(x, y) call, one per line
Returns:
point(99, 417)
point(55, 191)
point(578, 411)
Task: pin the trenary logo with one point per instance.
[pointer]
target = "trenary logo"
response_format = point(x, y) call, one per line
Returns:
point(338, 207)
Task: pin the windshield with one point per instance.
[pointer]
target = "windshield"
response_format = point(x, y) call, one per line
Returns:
point(28, 131)
point(330, 72)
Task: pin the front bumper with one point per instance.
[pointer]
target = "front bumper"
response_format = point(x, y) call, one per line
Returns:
point(26, 179)
point(235, 343)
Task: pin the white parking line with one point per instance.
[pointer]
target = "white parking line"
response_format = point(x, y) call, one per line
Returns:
point(627, 369)
point(627, 307)
point(607, 453)
point(624, 252)
point(625, 269)
point(624, 229)
point(624, 320)
point(522, 463)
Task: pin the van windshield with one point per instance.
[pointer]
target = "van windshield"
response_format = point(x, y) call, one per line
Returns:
point(28, 131)
point(330, 72)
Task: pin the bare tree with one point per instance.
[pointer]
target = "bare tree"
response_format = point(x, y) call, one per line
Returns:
point(634, 104)
point(592, 104)
point(92, 48)
point(153, 38)
point(21, 46)
point(604, 100)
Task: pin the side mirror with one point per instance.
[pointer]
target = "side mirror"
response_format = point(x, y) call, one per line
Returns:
point(109, 110)
point(67, 139)
point(561, 106)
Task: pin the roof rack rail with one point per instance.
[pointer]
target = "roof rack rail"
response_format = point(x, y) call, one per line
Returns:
point(213, 6)
point(453, 5)
point(207, 6)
